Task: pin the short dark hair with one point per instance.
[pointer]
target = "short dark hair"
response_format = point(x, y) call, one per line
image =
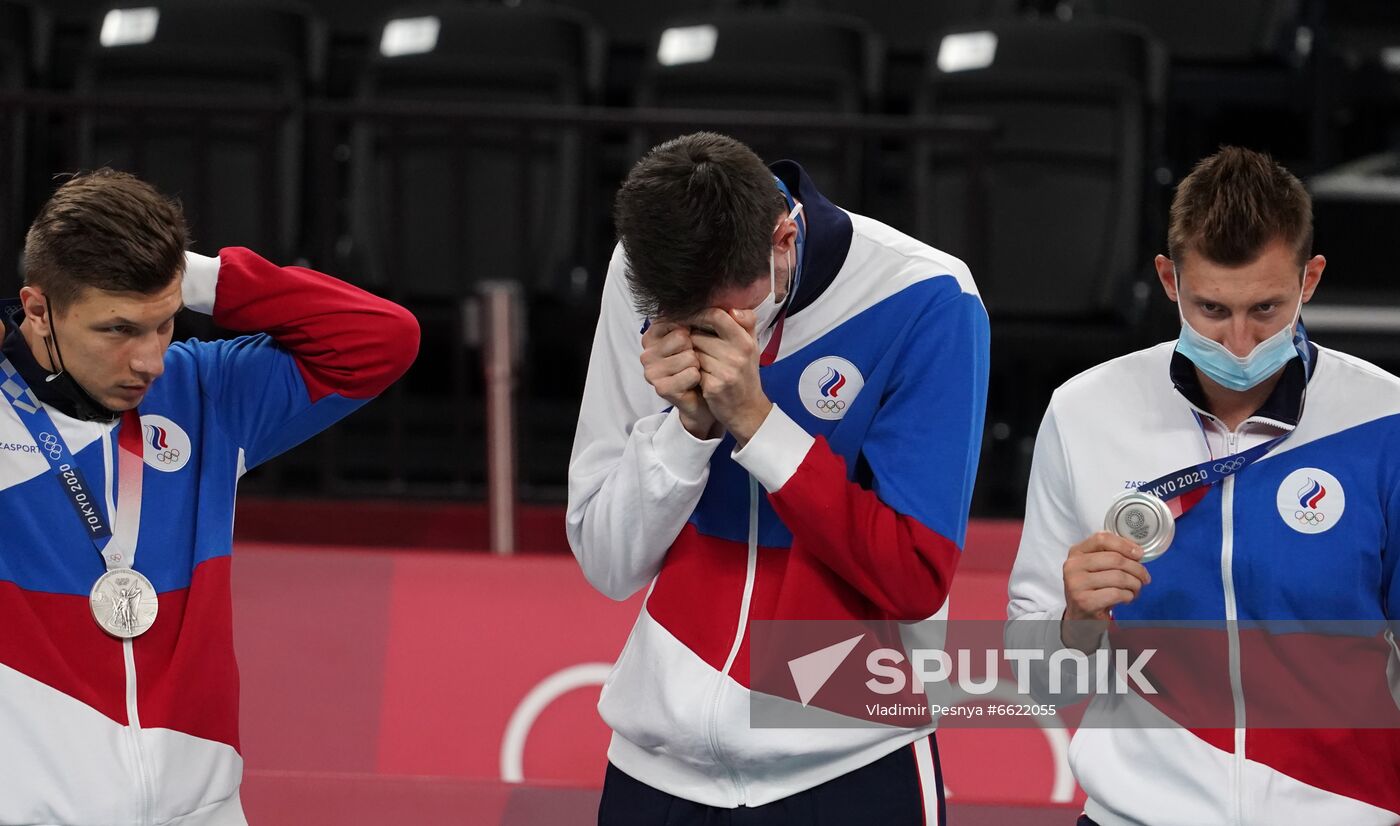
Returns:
point(1236, 202)
point(105, 229)
point(695, 215)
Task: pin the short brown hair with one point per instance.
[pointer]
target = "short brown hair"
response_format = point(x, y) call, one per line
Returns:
point(695, 216)
point(1236, 202)
point(105, 229)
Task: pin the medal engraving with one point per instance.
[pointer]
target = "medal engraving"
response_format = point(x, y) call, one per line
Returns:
point(124, 603)
point(1143, 518)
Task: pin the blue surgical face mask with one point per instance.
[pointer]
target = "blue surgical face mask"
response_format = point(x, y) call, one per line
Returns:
point(1224, 367)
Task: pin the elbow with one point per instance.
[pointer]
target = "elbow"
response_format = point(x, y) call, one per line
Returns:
point(617, 590)
point(914, 607)
point(924, 588)
point(392, 349)
point(604, 574)
point(616, 585)
point(616, 576)
point(402, 337)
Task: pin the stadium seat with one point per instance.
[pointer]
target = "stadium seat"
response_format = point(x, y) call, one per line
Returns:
point(1233, 65)
point(1062, 198)
point(1356, 104)
point(770, 61)
point(438, 206)
point(631, 23)
point(1240, 32)
point(1077, 105)
point(906, 25)
point(239, 174)
point(23, 35)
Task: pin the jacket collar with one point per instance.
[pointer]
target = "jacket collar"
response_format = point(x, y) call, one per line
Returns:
point(1284, 404)
point(828, 235)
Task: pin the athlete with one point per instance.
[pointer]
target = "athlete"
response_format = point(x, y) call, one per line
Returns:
point(119, 456)
point(1272, 461)
point(781, 420)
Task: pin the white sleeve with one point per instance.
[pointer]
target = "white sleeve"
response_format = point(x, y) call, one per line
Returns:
point(201, 281)
point(1037, 589)
point(636, 473)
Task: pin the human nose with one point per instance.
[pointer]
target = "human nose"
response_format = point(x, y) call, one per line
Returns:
point(1241, 337)
point(148, 358)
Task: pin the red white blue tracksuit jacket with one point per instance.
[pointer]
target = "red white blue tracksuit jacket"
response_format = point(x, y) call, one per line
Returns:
point(1309, 534)
point(96, 731)
point(850, 501)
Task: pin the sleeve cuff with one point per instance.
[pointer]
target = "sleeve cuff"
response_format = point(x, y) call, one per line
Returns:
point(200, 282)
point(685, 456)
point(775, 451)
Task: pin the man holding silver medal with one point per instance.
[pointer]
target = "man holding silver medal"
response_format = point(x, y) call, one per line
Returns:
point(118, 686)
point(1239, 473)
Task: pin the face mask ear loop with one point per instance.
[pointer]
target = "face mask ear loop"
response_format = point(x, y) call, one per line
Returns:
point(792, 277)
point(1298, 311)
point(1176, 278)
point(772, 276)
point(51, 347)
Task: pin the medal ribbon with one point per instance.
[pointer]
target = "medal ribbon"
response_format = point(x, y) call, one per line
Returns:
point(1185, 488)
point(117, 550)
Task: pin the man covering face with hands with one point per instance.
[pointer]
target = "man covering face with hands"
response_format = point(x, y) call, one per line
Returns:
point(781, 421)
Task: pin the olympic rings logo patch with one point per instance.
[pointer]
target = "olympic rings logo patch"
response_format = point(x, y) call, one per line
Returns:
point(828, 387)
point(1311, 500)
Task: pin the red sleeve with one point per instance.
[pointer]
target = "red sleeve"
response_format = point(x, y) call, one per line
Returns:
point(895, 561)
point(344, 340)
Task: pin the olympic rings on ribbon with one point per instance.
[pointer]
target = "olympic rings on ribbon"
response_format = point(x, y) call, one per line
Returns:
point(1228, 467)
point(51, 445)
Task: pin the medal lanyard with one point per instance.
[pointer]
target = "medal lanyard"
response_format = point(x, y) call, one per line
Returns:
point(117, 550)
point(1183, 489)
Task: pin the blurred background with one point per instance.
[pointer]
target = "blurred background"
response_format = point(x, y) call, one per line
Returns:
point(461, 158)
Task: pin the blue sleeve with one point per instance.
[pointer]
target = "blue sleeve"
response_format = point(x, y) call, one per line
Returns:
point(924, 443)
point(260, 398)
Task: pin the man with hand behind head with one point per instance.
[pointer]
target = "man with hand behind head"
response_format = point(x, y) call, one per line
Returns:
point(119, 455)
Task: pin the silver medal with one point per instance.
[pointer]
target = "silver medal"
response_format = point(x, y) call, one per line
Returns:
point(1144, 519)
point(124, 603)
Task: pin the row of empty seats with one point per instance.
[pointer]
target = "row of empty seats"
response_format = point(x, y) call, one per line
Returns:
point(1057, 216)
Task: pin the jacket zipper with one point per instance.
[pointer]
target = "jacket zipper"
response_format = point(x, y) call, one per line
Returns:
point(133, 717)
point(720, 683)
point(1227, 565)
